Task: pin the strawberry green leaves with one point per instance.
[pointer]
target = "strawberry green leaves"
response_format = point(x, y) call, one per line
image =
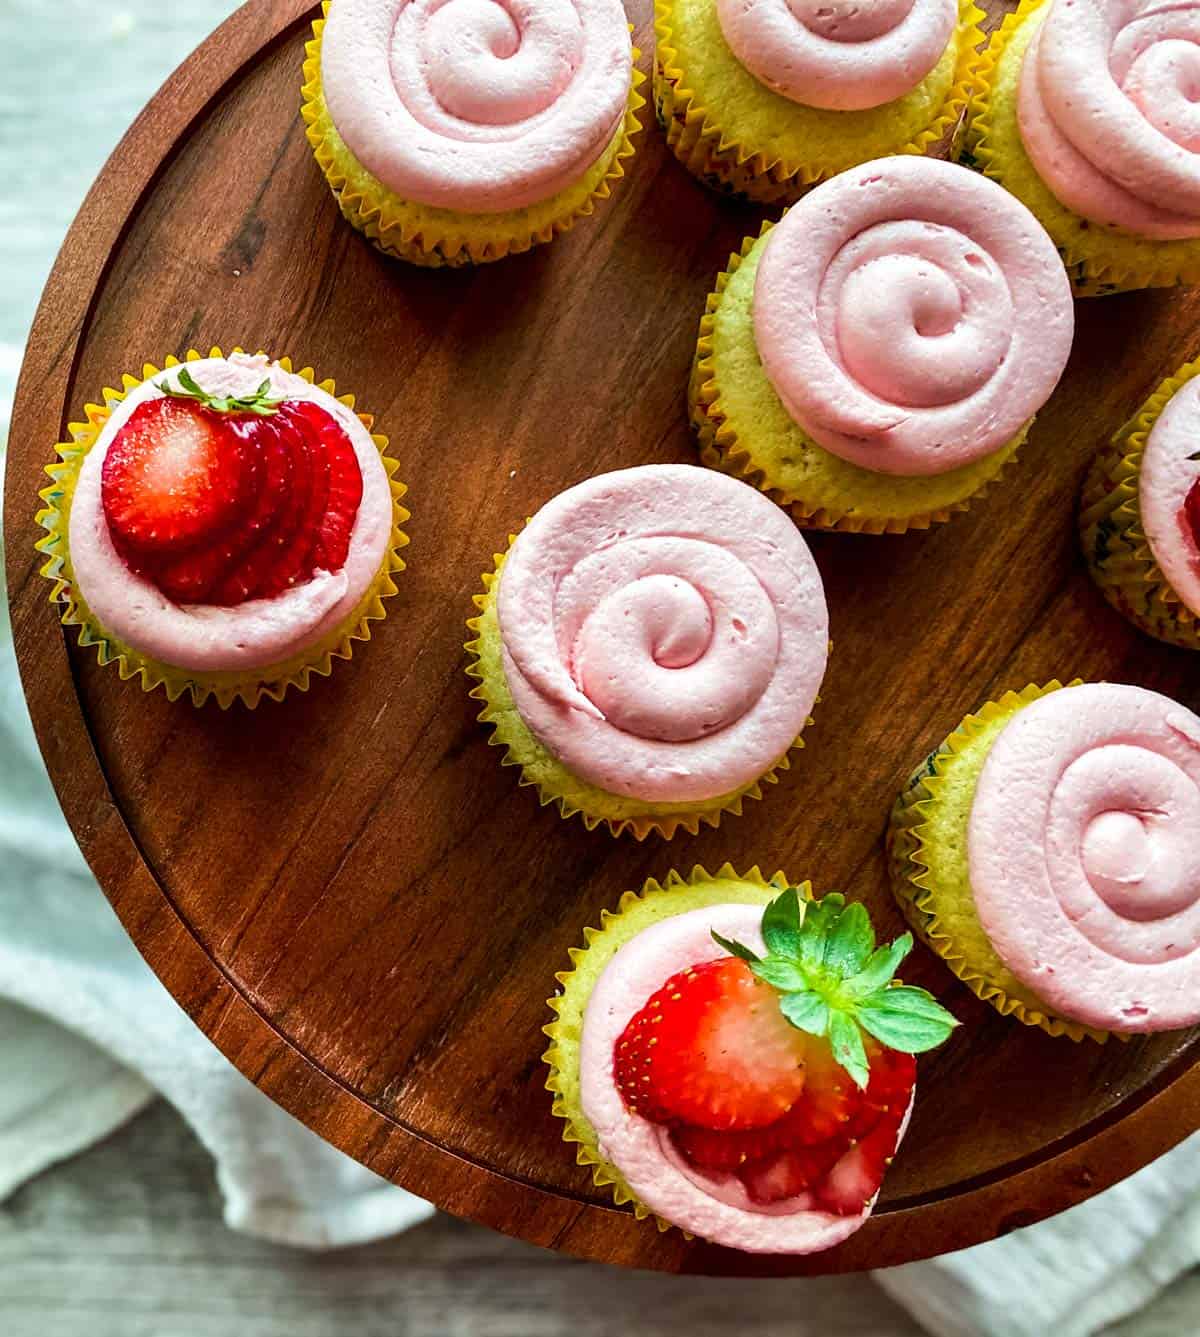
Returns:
point(834, 982)
point(259, 403)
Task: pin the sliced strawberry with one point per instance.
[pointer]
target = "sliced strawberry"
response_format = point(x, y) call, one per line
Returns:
point(790, 1172)
point(345, 489)
point(1191, 510)
point(293, 561)
point(855, 1179)
point(172, 478)
point(893, 1076)
point(711, 1049)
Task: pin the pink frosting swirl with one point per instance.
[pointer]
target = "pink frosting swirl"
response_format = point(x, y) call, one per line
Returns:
point(1084, 851)
point(839, 54)
point(912, 315)
point(1169, 472)
point(1109, 112)
point(664, 632)
point(476, 105)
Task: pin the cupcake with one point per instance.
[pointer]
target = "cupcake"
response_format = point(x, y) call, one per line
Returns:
point(776, 1138)
point(875, 359)
point(1049, 852)
point(650, 647)
point(1086, 113)
point(762, 98)
point(1140, 514)
point(457, 133)
point(224, 527)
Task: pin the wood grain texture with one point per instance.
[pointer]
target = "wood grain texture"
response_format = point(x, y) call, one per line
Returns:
point(346, 892)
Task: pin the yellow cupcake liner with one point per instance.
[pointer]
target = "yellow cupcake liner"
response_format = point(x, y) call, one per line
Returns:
point(1112, 535)
point(716, 156)
point(557, 785)
point(431, 237)
point(939, 904)
point(837, 494)
point(250, 685)
point(635, 912)
point(1099, 260)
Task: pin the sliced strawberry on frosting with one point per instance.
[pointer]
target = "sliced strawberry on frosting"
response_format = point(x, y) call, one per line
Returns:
point(1191, 511)
point(815, 1034)
point(221, 499)
point(711, 1049)
point(171, 479)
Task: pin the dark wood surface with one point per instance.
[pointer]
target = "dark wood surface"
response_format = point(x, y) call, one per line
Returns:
point(346, 892)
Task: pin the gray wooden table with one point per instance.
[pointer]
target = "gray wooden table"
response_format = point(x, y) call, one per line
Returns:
point(127, 1241)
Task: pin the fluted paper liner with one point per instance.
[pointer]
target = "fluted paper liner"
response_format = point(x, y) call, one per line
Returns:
point(432, 237)
point(635, 912)
point(1099, 260)
point(554, 782)
point(942, 910)
point(247, 685)
point(836, 494)
point(715, 155)
point(1114, 541)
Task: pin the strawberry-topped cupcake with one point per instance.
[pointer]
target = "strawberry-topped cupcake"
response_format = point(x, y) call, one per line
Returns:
point(1140, 514)
point(736, 1059)
point(223, 527)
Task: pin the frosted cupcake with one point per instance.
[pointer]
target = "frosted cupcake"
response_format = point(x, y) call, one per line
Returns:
point(777, 1138)
point(650, 648)
point(460, 132)
point(1086, 112)
point(1049, 851)
point(224, 527)
point(1140, 514)
point(762, 99)
point(875, 359)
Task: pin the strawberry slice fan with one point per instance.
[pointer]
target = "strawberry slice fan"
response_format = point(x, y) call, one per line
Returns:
point(218, 500)
point(793, 1070)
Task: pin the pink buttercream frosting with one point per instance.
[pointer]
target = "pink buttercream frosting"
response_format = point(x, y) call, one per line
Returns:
point(206, 638)
point(912, 315)
point(714, 1206)
point(664, 631)
point(1084, 853)
point(839, 54)
point(476, 105)
point(1168, 473)
point(1109, 112)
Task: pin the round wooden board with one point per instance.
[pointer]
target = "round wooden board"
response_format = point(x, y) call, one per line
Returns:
point(345, 891)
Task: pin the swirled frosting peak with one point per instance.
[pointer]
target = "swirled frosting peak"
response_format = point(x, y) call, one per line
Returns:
point(842, 55)
point(664, 632)
point(1109, 112)
point(476, 105)
point(1084, 850)
point(912, 315)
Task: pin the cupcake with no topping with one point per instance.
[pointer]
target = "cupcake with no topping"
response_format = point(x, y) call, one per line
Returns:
point(762, 99)
point(735, 1059)
point(224, 527)
point(874, 360)
point(460, 132)
point(1086, 112)
point(650, 647)
point(1049, 852)
point(1140, 514)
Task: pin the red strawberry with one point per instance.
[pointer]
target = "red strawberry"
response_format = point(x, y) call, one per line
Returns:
point(791, 1172)
point(345, 489)
point(893, 1076)
point(171, 479)
point(855, 1179)
point(293, 561)
point(712, 1049)
point(1191, 510)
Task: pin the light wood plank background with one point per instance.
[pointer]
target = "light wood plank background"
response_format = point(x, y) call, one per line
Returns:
point(127, 1241)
